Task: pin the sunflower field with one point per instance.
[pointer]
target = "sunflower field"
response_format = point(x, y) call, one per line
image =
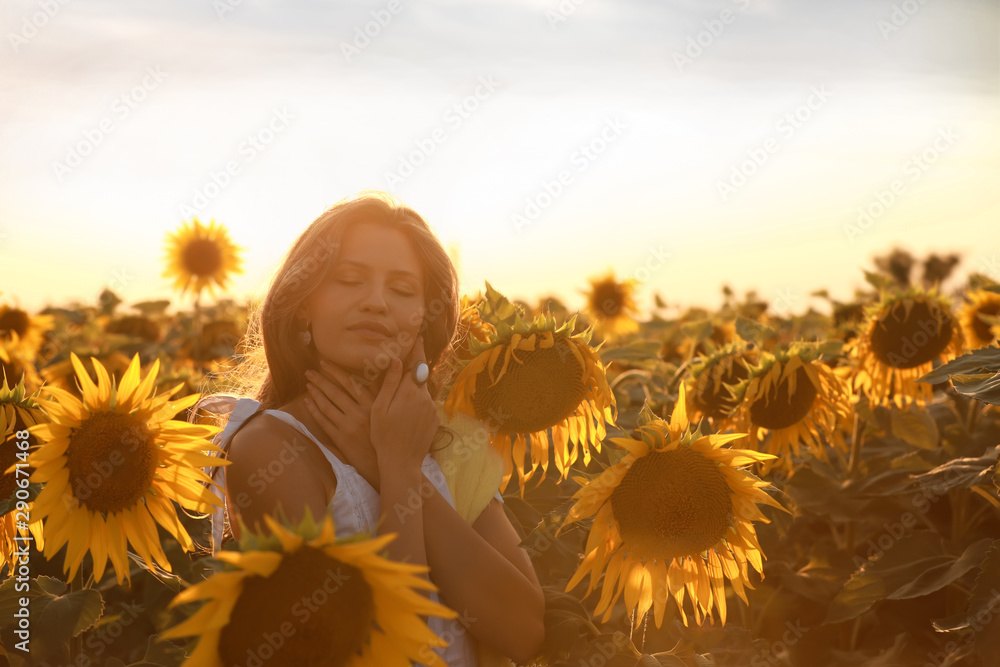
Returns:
point(727, 487)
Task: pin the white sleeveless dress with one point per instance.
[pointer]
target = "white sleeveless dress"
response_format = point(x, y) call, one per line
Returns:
point(355, 509)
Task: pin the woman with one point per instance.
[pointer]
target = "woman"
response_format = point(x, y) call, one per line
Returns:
point(364, 304)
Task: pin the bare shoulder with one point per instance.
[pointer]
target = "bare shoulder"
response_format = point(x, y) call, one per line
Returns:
point(272, 464)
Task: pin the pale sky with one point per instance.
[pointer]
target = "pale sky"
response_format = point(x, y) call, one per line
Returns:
point(730, 141)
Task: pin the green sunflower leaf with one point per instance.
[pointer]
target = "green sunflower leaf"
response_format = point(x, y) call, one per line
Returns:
point(981, 361)
point(68, 615)
point(911, 566)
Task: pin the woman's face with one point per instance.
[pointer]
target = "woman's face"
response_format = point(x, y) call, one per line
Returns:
point(370, 305)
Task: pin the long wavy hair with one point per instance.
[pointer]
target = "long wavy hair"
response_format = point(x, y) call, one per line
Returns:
point(274, 358)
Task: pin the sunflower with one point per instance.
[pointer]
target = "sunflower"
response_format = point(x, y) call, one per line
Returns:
point(62, 374)
point(470, 326)
point(904, 334)
point(15, 368)
point(791, 398)
point(216, 340)
point(138, 326)
point(530, 378)
point(710, 393)
point(111, 464)
point(25, 332)
point(318, 601)
point(675, 514)
point(18, 411)
point(201, 256)
point(694, 335)
point(978, 331)
point(611, 306)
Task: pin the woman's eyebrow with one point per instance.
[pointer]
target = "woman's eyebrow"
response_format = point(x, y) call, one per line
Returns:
point(401, 272)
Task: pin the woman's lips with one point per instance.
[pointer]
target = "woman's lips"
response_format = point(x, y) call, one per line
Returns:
point(369, 334)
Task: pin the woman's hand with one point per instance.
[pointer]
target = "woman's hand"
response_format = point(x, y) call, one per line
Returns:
point(404, 418)
point(342, 406)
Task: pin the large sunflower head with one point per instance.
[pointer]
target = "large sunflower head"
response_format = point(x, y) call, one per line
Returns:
point(611, 306)
point(979, 318)
point(531, 378)
point(792, 399)
point(201, 256)
point(904, 334)
point(324, 601)
point(674, 515)
point(19, 410)
point(113, 463)
point(711, 381)
point(25, 332)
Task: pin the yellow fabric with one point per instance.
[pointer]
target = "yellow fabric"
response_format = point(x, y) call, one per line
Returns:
point(473, 470)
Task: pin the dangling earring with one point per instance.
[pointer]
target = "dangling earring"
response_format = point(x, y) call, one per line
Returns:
point(305, 336)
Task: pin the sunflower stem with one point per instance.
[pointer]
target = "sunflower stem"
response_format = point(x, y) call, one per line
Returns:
point(76, 642)
point(197, 329)
point(857, 437)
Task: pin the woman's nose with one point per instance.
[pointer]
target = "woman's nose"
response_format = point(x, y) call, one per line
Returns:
point(374, 298)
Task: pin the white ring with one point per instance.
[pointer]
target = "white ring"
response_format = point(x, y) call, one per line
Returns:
point(421, 372)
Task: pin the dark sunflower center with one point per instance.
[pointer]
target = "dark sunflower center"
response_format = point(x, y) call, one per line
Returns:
point(202, 257)
point(717, 402)
point(540, 392)
point(780, 408)
point(313, 611)
point(907, 341)
point(14, 320)
point(8, 457)
point(111, 461)
point(672, 504)
point(12, 370)
point(607, 299)
point(981, 328)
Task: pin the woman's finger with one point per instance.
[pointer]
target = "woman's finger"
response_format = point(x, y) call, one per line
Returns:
point(359, 391)
point(416, 356)
point(321, 418)
point(417, 353)
point(389, 386)
point(332, 390)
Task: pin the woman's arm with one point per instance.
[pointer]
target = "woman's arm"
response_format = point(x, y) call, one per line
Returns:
point(482, 573)
point(480, 570)
point(273, 465)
